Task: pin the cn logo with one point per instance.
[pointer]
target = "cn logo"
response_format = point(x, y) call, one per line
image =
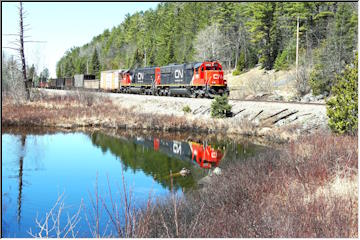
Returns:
point(140, 76)
point(177, 147)
point(179, 73)
point(216, 76)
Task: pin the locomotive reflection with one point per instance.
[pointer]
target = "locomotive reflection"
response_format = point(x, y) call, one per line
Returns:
point(200, 153)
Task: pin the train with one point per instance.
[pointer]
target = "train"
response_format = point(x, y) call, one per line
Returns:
point(197, 79)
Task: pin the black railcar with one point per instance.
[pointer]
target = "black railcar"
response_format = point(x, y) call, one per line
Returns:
point(60, 83)
point(144, 76)
point(180, 74)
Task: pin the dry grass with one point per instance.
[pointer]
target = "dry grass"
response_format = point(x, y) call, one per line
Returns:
point(86, 110)
point(297, 192)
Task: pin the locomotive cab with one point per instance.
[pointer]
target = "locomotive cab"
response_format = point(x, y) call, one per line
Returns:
point(211, 75)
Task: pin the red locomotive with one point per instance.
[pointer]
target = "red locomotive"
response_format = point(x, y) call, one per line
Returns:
point(200, 79)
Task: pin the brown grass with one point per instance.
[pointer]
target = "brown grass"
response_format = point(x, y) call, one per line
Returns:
point(84, 110)
point(307, 190)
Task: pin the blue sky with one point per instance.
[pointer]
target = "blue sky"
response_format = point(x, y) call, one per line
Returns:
point(62, 25)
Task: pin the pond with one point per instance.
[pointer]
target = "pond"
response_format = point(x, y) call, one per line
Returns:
point(41, 167)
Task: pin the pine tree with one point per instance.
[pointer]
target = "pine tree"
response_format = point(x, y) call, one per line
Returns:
point(342, 108)
point(220, 107)
point(265, 32)
point(95, 64)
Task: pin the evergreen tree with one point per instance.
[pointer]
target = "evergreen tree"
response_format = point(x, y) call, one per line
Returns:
point(220, 107)
point(342, 108)
point(265, 32)
point(95, 63)
point(31, 72)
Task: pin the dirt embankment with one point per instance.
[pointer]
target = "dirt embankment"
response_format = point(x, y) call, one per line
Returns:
point(70, 109)
point(258, 83)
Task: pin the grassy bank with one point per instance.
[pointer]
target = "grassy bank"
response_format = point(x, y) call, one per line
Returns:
point(87, 110)
point(307, 189)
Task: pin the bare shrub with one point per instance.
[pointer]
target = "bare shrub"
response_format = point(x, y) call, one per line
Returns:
point(50, 225)
point(13, 88)
point(86, 98)
point(301, 84)
point(276, 194)
point(259, 84)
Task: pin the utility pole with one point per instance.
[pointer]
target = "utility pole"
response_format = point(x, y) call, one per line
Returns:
point(297, 47)
point(145, 57)
point(87, 66)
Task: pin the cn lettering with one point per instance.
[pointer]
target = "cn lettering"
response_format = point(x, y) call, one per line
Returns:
point(179, 73)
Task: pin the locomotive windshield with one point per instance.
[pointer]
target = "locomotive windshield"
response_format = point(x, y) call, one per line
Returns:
point(215, 67)
point(212, 68)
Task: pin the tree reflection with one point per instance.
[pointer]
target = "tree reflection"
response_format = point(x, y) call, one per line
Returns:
point(21, 164)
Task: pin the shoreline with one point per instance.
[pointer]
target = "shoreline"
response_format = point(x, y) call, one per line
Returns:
point(95, 111)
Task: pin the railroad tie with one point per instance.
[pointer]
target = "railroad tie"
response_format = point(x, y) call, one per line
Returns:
point(238, 112)
point(206, 111)
point(298, 116)
point(198, 109)
point(257, 115)
point(274, 114)
point(286, 116)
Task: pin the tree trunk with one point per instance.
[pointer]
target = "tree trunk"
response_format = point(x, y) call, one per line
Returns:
point(22, 55)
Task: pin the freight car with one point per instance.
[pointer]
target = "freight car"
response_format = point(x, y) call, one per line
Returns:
point(43, 85)
point(52, 83)
point(68, 82)
point(92, 84)
point(80, 78)
point(109, 80)
point(60, 83)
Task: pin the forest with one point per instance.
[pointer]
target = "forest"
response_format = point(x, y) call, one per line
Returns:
point(239, 35)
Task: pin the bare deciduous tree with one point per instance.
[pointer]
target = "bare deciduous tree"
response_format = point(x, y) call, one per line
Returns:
point(212, 44)
point(18, 45)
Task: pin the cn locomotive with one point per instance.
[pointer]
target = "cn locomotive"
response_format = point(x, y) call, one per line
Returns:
point(198, 79)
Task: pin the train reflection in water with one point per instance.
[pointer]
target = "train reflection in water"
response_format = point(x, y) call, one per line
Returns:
point(201, 153)
point(159, 157)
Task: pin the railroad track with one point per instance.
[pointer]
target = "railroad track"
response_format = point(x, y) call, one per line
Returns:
point(282, 102)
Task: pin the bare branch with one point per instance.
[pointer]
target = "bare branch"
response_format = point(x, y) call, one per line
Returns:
point(12, 48)
point(35, 41)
